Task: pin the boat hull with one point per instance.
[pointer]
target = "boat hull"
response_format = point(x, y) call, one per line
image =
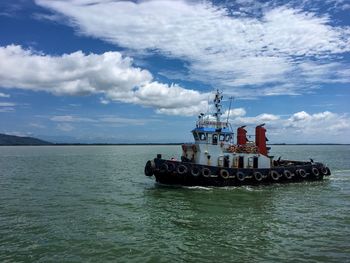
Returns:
point(190, 174)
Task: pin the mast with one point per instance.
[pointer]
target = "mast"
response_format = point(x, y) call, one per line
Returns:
point(217, 103)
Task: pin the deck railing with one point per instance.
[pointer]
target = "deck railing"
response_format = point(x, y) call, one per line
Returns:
point(216, 124)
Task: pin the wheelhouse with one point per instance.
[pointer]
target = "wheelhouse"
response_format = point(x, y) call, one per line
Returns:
point(212, 136)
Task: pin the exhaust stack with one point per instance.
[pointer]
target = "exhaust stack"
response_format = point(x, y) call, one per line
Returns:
point(260, 139)
point(241, 136)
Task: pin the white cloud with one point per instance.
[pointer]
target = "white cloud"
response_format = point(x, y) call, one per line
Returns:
point(69, 118)
point(4, 95)
point(37, 125)
point(300, 126)
point(346, 7)
point(238, 117)
point(104, 101)
point(7, 104)
point(104, 120)
point(172, 100)
point(65, 127)
point(7, 107)
point(185, 111)
point(18, 133)
point(318, 122)
point(121, 121)
point(234, 113)
point(221, 48)
point(71, 74)
point(329, 72)
point(10, 9)
point(257, 120)
point(80, 74)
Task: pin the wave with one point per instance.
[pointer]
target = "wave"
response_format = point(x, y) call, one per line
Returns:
point(198, 187)
point(342, 171)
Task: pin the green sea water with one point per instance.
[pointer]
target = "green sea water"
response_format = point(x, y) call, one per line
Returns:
point(94, 204)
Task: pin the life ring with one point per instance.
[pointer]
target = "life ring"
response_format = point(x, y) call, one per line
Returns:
point(275, 175)
point(315, 171)
point(181, 169)
point(224, 173)
point(302, 173)
point(164, 168)
point(171, 167)
point(328, 171)
point(240, 176)
point(195, 171)
point(258, 176)
point(288, 174)
point(206, 172)
point(149, 169)
point(324, 170)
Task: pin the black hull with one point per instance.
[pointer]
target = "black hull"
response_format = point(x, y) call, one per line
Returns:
point(190, 174)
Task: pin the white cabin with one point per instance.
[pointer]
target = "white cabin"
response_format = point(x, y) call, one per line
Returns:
point(214, 145)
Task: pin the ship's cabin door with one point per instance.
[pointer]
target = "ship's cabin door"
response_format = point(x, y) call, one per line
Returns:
point(255, 162)
point(226, 161)
point(241, 162)
point(215, 139)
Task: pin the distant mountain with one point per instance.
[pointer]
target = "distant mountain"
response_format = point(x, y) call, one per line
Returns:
point(17, 140)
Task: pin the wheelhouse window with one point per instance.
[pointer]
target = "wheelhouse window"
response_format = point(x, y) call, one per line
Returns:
point(195, 135)
point(228, 137)
point(202, 136)
point(222, 137)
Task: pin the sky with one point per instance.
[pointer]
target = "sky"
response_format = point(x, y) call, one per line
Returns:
point(113, 71)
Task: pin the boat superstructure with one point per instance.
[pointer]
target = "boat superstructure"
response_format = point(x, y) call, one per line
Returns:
point(214, 143)
point(218, 157)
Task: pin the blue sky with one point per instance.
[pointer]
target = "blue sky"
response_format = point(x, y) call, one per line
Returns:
point(141, 71)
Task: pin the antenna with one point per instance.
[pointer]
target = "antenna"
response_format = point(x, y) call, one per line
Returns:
point(229, 109)
point(208, 104)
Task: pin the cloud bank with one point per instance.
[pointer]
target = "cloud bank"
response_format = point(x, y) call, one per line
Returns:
point(298, 126)
point(283, 46)
point(109, 74)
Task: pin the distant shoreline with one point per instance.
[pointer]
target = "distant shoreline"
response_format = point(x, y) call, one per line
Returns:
point(13, 140)
point(160, 144)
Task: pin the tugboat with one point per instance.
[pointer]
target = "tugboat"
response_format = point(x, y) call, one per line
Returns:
point(215, 160)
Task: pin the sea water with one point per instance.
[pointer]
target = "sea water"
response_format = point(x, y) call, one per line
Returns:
point(94, 204)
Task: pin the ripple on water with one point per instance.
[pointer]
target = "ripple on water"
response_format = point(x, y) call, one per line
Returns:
point(94, 204)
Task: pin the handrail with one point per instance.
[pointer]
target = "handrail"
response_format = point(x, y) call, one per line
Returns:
point(206, 123)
